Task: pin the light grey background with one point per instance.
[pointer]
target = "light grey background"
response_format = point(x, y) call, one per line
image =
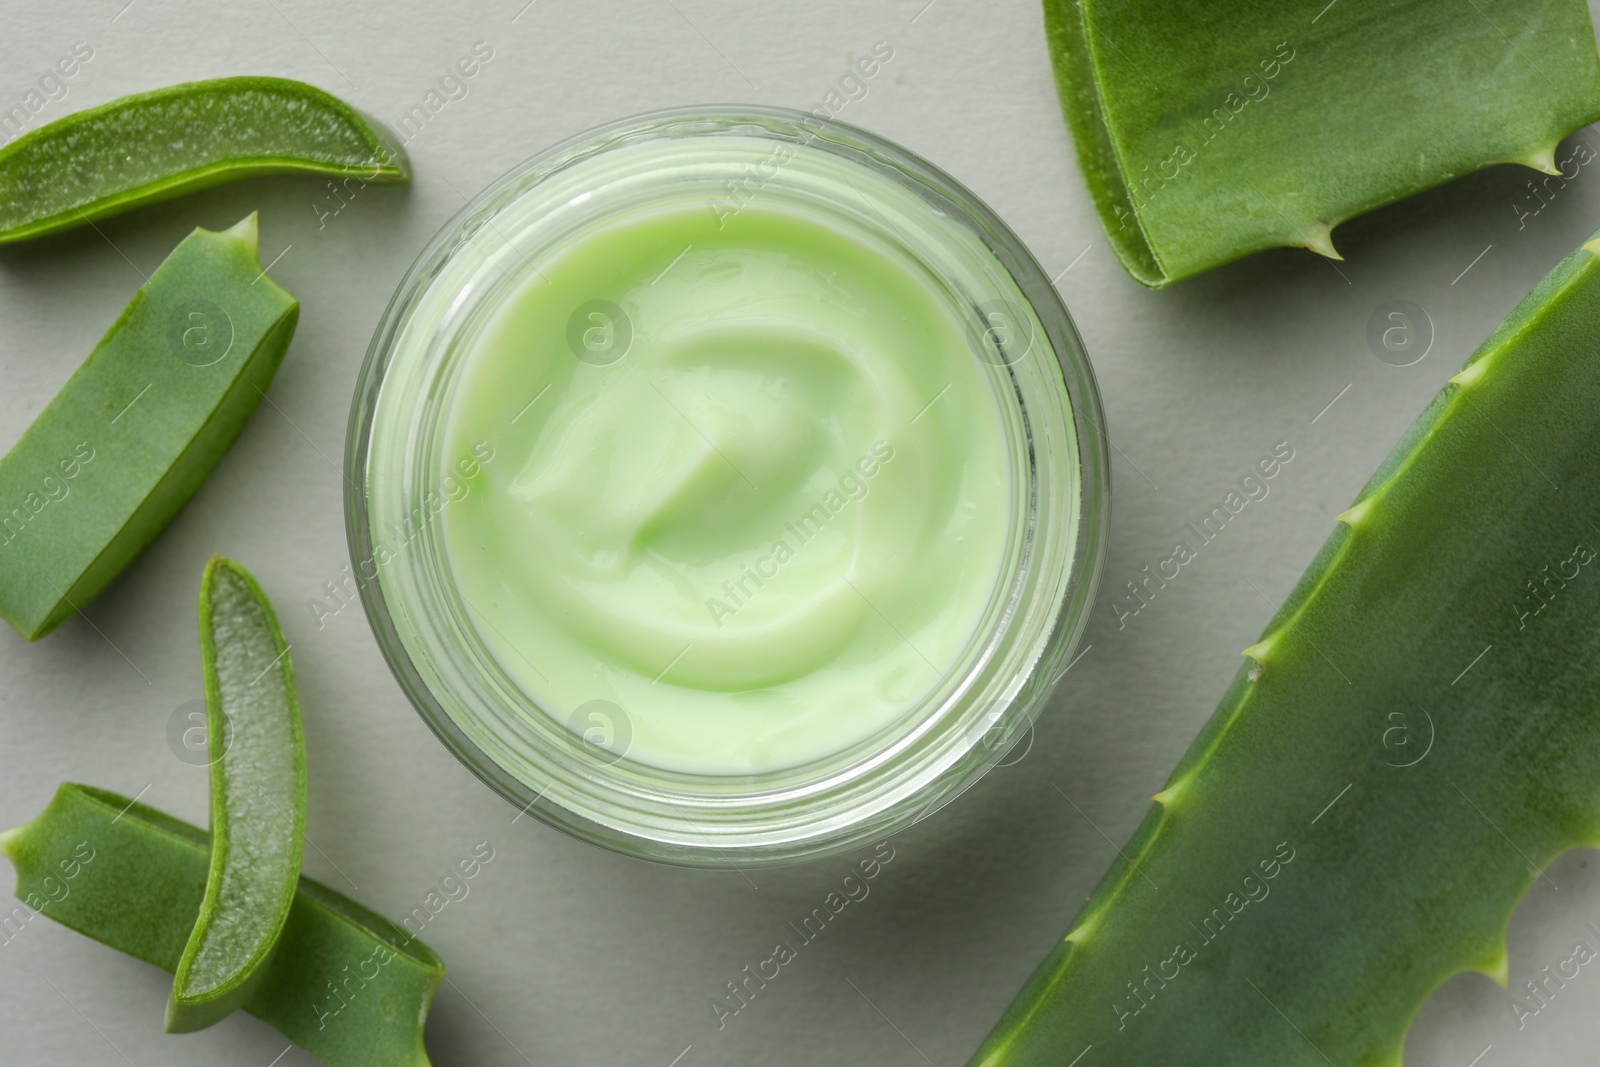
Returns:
point(562, 953)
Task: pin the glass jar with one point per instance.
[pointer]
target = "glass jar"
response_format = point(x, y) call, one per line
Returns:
point(399, 482)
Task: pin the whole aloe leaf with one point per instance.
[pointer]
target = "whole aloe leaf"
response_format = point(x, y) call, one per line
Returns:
point(1309, 875)
point(1209, 131)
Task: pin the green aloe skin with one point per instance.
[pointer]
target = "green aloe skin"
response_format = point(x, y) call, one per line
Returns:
point(154, 146)
point(138, 427)
point(346, 985)
point(1206, 132)
point(1308, 876)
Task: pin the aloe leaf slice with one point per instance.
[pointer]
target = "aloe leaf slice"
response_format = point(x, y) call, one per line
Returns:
point(130, 437)
point(345, 984)
point(153, 146)
point(1206, 132)
point(1309, 876)
point(258, 798)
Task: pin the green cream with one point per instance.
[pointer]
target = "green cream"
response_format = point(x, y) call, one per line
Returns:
point(763, 514)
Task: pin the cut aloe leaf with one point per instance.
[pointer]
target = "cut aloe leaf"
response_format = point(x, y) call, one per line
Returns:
point(346, 985)
point(1414, 738)
point(157, 145)
point(1207, 132)
point(139, 425)
point(258, 799)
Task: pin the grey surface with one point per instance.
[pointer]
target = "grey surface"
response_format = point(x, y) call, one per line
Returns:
point(562, 953)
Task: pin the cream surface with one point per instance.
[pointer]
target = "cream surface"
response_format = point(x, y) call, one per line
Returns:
point(750, 486)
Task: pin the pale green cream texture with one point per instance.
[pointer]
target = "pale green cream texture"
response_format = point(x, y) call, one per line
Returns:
point(765, 530)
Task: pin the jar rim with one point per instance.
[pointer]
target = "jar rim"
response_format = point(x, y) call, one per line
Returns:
point(830, 818)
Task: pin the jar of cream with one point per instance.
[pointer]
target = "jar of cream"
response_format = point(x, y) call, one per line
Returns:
point(727, 487)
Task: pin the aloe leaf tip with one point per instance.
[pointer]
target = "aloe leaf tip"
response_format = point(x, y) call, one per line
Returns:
point(247, 229)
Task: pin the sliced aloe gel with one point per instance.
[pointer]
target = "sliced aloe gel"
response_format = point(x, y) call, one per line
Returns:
point(346, 985)
point(138, 426)
point(153, 146)
point(258, 799)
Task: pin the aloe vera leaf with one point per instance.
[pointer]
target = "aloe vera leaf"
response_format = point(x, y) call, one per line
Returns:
point(153, 146)
point(1297, 891)
point(136, 429)
point(345, 984)
point(1206, 132)
point(258, 799)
